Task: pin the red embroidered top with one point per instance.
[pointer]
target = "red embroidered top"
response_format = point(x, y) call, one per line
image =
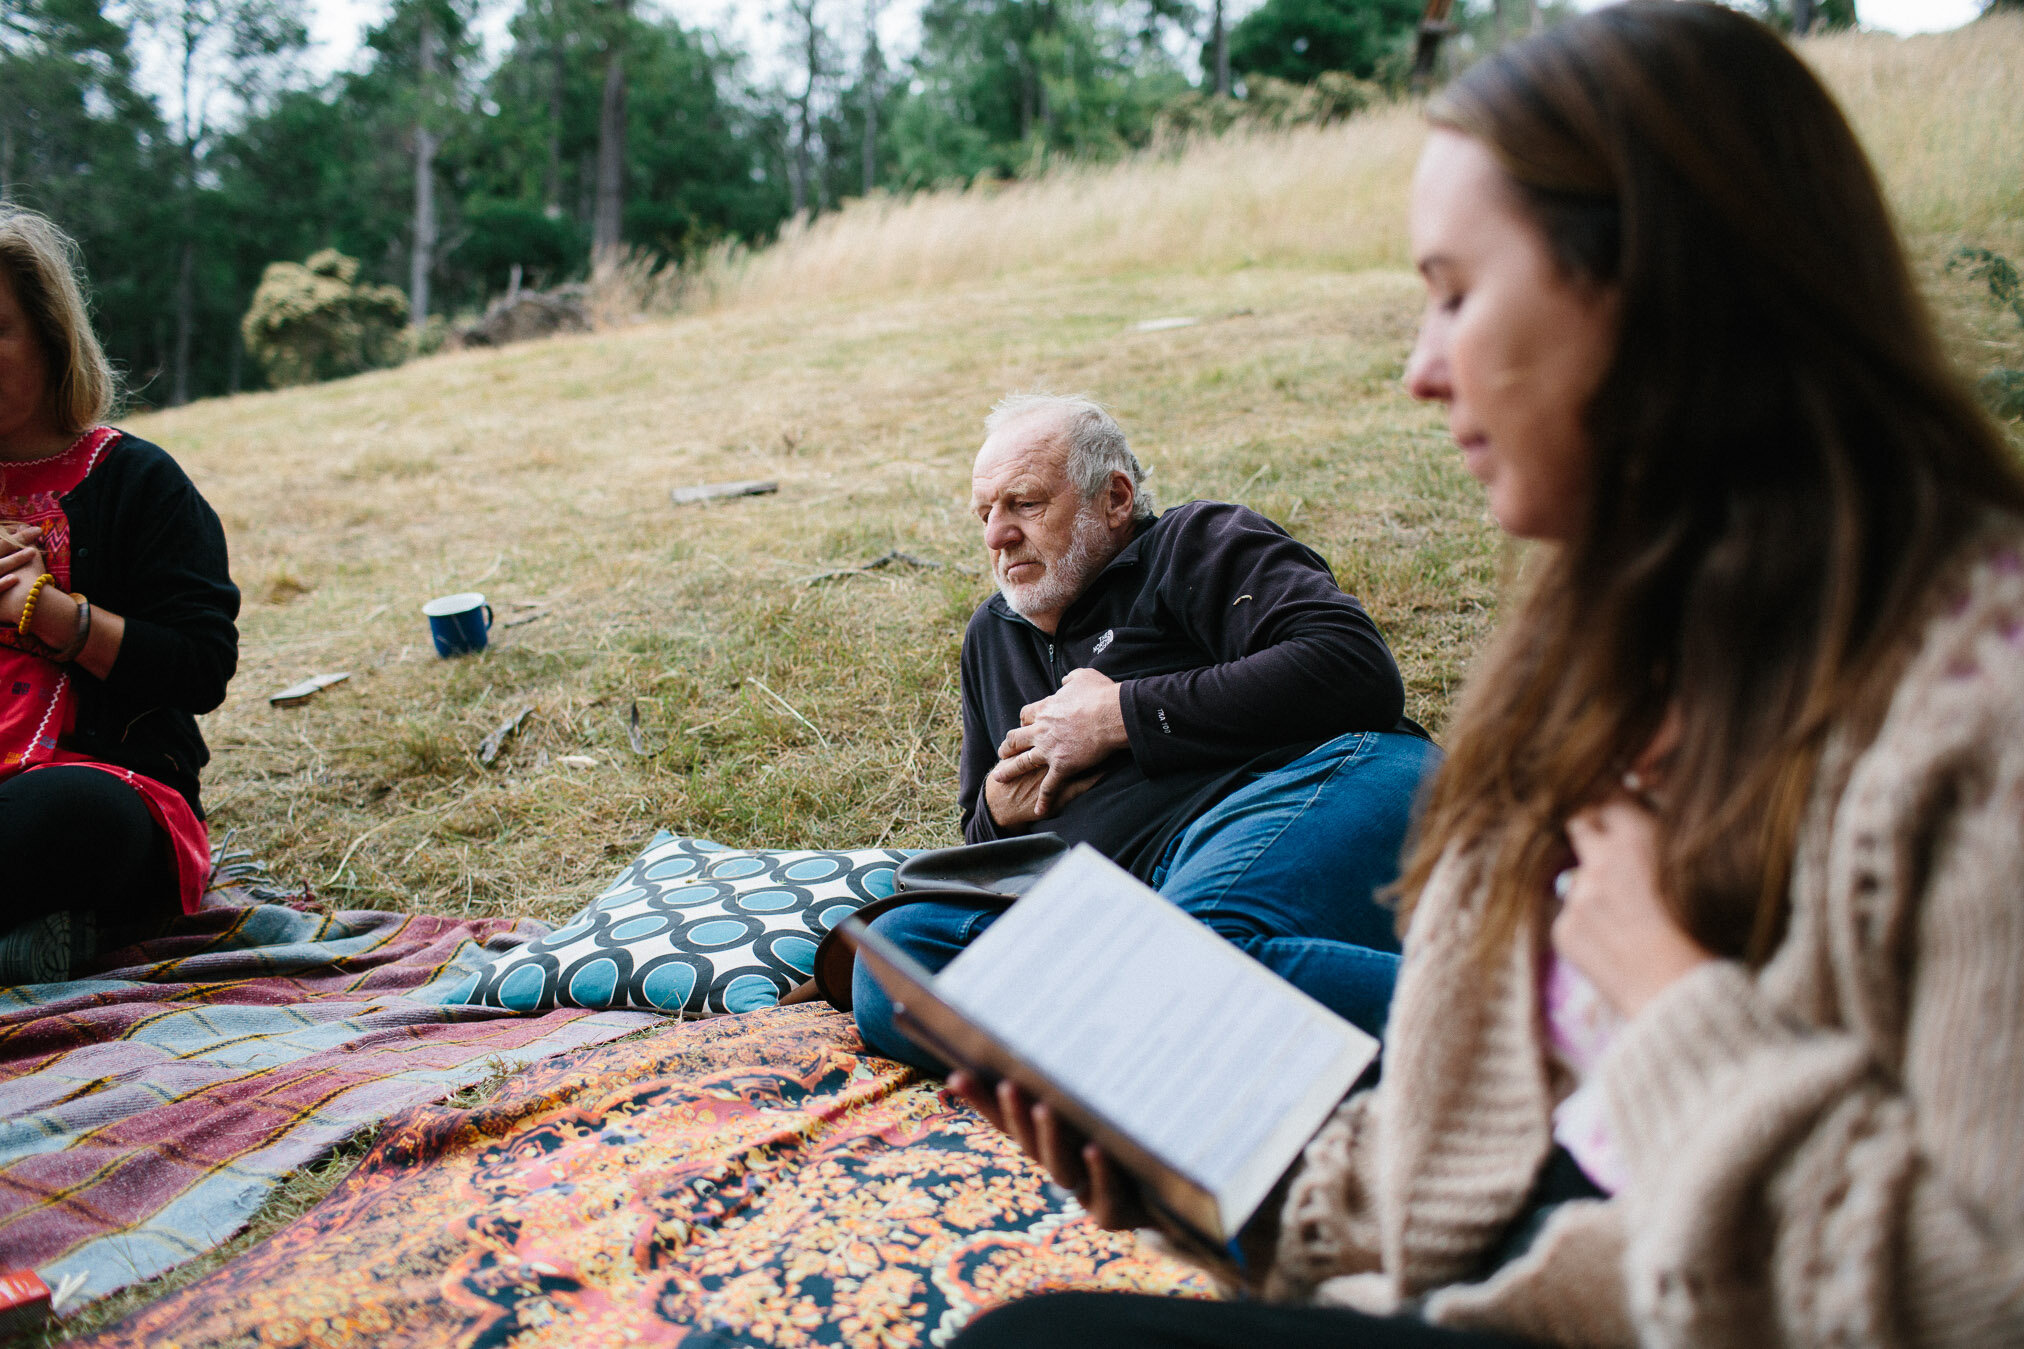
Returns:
point(38, 697)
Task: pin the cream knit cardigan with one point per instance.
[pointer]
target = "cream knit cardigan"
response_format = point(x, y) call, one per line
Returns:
point(1829, 1151)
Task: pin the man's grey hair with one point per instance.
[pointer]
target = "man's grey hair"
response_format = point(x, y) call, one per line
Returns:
point(1097, 446)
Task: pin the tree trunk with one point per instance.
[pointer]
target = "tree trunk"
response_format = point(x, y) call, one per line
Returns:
point(1219, 39)
point(1802, 17)
point(422, 261)
point(6, 158)
point(873, 79)
point(186, 213)
point(871, 100)
point(802, 172)
point(558, 57)
point(810, 162)
point(1027, 79)
point(186, 303)
point(1434, 26)
point(606, 228)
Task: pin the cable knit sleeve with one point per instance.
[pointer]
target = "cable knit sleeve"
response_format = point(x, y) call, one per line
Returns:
point(1328, 1226)
point(1852, 1178)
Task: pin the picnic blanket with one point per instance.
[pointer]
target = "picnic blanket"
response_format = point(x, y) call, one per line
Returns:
point(147, 1111)
point(747, 1180)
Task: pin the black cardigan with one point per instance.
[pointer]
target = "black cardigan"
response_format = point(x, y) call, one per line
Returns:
point(144, 544)
point(1236, 650)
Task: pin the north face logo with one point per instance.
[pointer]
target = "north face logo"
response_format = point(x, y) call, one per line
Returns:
point(1109, 635)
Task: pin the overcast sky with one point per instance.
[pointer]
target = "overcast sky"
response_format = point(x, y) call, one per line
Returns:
point(336, 25)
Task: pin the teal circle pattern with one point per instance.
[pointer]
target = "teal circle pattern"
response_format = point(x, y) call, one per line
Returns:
point(594, 982)
point(525, 986)
point(691, 927)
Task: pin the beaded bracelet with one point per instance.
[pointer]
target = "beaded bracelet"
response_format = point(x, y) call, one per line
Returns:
point(28, 605)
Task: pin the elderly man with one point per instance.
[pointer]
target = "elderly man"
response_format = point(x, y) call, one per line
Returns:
point(1192, 695)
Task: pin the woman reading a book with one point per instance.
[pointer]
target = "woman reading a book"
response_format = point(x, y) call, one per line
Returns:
point(1708, 1031)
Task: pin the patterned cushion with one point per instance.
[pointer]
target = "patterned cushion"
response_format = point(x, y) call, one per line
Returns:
point(693, 927)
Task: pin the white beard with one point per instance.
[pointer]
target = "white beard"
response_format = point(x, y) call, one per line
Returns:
point(1063, 579)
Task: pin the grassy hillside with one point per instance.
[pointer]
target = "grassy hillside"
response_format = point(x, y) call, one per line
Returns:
point(1943, 116)
point(853, 363)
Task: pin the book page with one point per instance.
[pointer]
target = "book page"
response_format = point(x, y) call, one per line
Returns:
point(1174, 1036)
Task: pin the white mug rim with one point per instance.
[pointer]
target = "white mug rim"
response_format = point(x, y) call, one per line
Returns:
point(449, 606)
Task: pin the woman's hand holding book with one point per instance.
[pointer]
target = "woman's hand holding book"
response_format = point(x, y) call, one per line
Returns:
point(1076, 1164)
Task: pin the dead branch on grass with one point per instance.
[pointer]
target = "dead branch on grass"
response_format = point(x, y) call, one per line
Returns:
point(884, 560)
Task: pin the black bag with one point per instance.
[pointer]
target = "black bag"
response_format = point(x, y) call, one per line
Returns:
point(977, 875)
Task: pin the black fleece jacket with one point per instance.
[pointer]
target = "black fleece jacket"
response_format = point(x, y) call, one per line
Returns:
point(1237, 653)
point(145, 545)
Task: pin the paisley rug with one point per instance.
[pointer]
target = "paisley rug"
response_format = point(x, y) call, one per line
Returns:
point(751, 1180)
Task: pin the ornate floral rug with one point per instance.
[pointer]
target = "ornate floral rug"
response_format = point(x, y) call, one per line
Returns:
point(749, 1180)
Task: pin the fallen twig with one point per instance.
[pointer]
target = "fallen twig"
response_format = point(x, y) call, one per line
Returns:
point(884, 560)
point(307, 689)
point(754, 679)
point(345, 860)
point(711, 491)
point(489, 747)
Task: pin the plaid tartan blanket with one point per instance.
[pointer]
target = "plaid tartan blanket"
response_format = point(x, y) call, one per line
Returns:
point(147, 1111)
point(745, 1180)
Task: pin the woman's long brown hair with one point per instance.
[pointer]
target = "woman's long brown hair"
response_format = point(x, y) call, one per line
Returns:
point(1783, 463)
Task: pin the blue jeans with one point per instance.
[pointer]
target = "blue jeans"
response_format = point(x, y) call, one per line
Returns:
point(1286, 868)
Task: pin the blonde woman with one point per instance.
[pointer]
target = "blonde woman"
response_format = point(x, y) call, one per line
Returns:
point(116, 628)
point(1710, 1026)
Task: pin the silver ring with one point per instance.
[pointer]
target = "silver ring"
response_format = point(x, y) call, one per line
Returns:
point(1563, 883)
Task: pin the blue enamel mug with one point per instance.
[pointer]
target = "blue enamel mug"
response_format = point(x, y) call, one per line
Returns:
point(459, 623)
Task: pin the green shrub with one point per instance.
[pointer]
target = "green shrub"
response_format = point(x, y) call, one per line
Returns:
point(314, 321)
point(1297, 40)
point(1333, 96)
point(2006, 287)
point(427, 340)
point(498, 234)
point(2002, 389)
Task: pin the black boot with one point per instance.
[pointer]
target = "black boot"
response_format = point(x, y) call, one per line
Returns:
point(50, 949)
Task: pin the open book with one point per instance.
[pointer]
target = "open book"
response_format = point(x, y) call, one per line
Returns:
point(1199, 1070)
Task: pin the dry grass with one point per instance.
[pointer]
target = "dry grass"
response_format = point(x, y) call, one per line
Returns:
point(1943, 118)
point(1943, 115)
point(1318, 197)
point(853, 363)
point(540, 475)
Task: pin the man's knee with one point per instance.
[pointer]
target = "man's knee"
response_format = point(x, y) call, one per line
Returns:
point(930, 934)
point(1372, 794)
point(1306, 850)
